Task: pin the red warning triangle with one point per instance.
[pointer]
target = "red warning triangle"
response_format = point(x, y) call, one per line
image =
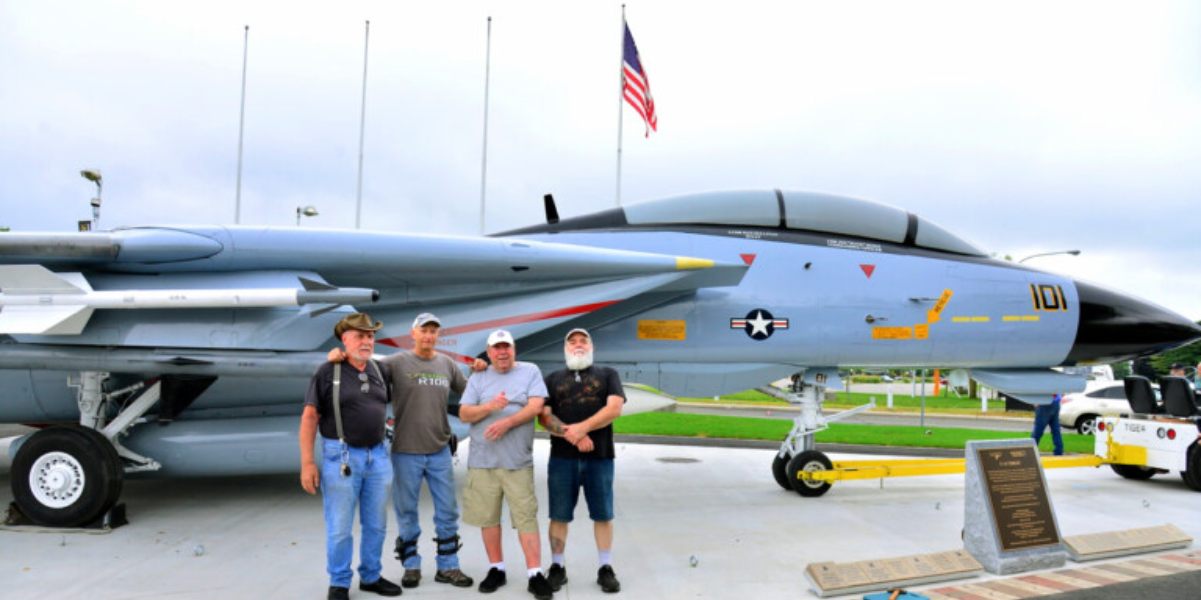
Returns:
point(747, 258)
point(868, 270)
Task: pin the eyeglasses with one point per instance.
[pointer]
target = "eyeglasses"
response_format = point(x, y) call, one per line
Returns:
point(366, 387)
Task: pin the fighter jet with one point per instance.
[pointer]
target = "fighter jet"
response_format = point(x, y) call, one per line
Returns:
point(186, 350)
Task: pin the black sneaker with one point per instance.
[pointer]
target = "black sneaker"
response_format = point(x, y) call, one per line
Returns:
point(556, 576)
point(540, 587)
point(411, 578)
point(381, 586)
point(454, 577)
point(494, 579)
point(607, 579)
point(338, 593)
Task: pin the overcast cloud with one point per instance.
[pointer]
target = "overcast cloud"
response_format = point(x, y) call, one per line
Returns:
point(1022, 126)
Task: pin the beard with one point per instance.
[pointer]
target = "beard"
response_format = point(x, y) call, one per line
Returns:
point(578, 362)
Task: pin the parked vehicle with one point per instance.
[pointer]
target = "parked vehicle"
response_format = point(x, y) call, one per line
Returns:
point(1100, 399)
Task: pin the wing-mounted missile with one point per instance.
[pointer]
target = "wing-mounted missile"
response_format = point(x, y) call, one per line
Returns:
point(37, 301)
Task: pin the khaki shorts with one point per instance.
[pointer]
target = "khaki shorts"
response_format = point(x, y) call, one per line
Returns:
point(487, 487)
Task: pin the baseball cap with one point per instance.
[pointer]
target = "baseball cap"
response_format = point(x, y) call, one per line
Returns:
point(425, 319)
point(575, 331)
point(500, 336)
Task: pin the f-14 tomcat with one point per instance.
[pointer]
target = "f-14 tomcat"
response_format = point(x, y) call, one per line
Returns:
point(186, 350)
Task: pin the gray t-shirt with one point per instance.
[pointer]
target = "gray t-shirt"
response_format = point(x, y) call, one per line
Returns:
point(420, 390)
point(515, 449)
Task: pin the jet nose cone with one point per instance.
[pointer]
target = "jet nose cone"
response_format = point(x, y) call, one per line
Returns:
point(1116, 327)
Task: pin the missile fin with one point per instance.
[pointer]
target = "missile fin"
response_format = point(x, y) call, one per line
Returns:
point(44, 320)
point(36, 279)
point(315, 286)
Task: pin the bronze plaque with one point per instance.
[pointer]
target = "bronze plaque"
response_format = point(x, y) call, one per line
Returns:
point(1021, 510)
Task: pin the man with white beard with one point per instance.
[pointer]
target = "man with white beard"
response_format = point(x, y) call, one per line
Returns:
point(582, 402)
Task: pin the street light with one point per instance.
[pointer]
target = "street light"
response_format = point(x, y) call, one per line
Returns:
point(308, 211)
point(1072, 252)
point(93, 175)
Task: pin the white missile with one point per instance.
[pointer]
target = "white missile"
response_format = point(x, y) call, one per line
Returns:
point(35, 300)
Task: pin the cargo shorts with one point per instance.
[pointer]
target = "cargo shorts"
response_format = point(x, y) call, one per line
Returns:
point(485, 490)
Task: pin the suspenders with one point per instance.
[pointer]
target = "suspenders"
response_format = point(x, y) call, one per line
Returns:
point(337, 402)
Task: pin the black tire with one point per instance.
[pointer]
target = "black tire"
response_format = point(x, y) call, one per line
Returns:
point(809, 460)
point(1086, 424)
point(1192, 473)
point(1134, 472)
point(66, 476)
point(779, 470)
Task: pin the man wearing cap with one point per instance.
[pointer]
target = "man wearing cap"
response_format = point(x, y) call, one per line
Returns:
point(501, 404)
point(354, 469)
point(422, 381)
point(1176, 370)
point(581, 403)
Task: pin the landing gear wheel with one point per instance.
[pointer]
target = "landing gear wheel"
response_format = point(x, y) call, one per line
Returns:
point(779, 470)
point(809, 460)
point(1133, 472)
point(1192, 473)
point(1086, 424)
point(66, 476)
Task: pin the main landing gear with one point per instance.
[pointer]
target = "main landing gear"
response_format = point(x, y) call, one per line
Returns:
point(798, 452)
point(72, 475)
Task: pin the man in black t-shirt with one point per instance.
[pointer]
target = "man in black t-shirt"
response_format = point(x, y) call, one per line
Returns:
point(354, 469)
point(582, 402)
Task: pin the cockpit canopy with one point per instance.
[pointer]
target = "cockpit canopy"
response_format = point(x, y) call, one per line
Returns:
point(803, 211)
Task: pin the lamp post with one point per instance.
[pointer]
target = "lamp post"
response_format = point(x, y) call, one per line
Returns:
point(307, 211)
point(1072, 252)
point(93, 175)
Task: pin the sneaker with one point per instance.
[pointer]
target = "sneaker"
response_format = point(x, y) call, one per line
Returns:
point(454, 577)
point(556, 576)
point(540, 588)
point(607, 579)
point(495, 579)
point(381, 586)
point(338, 593)
point(411, 578)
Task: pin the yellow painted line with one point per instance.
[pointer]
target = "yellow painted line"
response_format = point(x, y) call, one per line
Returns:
point(1030, 317)
point(973, 319)
point(685, 263)
point(1017, 318)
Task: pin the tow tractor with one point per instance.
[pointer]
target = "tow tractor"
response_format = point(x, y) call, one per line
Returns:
point(1155, 438)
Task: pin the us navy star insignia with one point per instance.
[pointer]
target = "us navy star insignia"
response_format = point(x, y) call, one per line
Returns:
point(759, 324)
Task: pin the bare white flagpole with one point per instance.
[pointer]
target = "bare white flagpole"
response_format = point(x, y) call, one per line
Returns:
point(358, 208)
point(484, 166)
point(621, 92)
point(241, 128)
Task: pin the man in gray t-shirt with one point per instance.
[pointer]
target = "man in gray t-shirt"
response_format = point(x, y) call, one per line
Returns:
point(501, 404)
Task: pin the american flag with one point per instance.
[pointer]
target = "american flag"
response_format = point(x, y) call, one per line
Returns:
point(635, 87)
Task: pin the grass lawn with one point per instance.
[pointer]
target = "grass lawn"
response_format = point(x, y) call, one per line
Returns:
point(900, 403)
point(752, 428)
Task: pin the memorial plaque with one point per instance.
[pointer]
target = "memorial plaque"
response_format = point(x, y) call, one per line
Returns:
point(829, 578)
point(1021, 510)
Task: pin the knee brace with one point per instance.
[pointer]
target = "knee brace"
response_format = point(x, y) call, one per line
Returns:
point(449, 545)
point(405, 549)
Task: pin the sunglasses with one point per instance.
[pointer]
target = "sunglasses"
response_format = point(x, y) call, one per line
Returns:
point(366, 387)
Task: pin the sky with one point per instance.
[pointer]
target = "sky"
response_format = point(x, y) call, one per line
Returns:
point(1023, 127)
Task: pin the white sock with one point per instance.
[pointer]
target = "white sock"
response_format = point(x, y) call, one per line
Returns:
point(500, 566)
point(605, 557)
point(534, 571)
point(559, 559)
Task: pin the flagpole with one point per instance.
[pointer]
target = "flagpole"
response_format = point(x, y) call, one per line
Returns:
point(620, 96)
point(484, 165)
point(241, 128)
point(358, 207)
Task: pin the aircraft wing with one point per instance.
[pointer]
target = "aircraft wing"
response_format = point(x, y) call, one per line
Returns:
point(212, 273)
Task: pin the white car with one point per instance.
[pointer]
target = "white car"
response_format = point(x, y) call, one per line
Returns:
point(1105, 398)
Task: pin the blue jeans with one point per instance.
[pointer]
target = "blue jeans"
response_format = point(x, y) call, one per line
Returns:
point(367, 489)
point(438, 471)
point(1048, 414)
point(565, 477)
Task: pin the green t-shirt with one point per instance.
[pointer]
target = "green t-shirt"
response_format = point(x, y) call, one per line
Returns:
point(420, 392)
